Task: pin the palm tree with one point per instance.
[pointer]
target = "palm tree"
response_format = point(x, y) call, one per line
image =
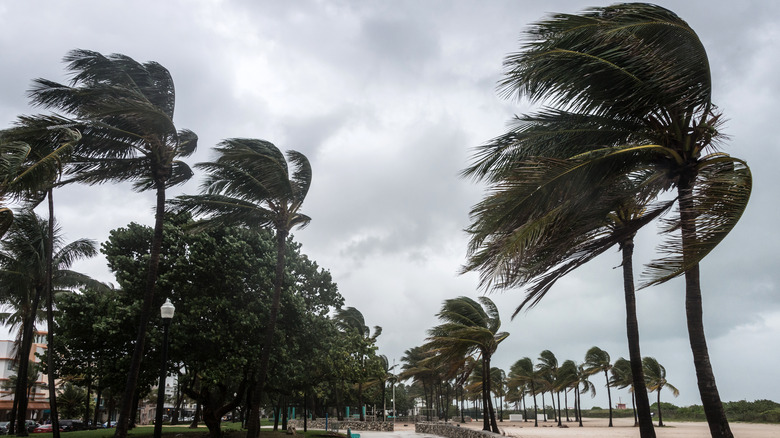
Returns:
point(583, 385)
point(51, 139)
point(640, 69)
point(655, 374)
point(548, 365)
point(523, 374)
point(567, 380)
point(418, 367)
point(623, 378)
point(25, 265)
point(597, 360)
point(630, 90)
point(251, 183)
point(125, 110)
point(469, 327)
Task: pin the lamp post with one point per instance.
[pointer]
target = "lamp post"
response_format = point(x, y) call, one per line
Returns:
point(166, 312)
point(394, 379)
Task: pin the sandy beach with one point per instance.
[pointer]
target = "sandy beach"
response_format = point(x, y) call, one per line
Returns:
point(597, 427)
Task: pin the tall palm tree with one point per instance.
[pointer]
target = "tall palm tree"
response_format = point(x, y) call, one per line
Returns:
point(25, 265)
point(548, 364)
point(583, 385)
point(567, 380)
point(251, 183)
point(630, 91)
point(51, 139)
point(125, 111)
point(598, 360)
point(655, 374)
point(470, 327)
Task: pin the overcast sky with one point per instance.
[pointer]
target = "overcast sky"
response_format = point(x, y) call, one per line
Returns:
point(387, 99)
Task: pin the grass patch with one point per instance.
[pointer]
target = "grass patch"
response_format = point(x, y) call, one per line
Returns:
point(229, 430)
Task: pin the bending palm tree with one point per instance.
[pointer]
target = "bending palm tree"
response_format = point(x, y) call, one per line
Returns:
point(597, 360)
point(622, 378)
point(24, 268)
point(468, 327)
point(125, 111)
point(655, 374)
point(631, 90)
point(250, 183)
point(522, 374)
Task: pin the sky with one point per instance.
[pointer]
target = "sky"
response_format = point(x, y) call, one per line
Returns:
point(388, 100)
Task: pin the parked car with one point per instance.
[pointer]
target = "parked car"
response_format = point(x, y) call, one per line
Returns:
point(31, 425)
point(44, 428)
point(71, 425)
point(109, 423)
point(4, 427)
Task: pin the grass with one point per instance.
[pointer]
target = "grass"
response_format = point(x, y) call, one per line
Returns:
point(230, 430)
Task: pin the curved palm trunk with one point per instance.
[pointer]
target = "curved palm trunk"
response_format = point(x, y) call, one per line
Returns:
point(55, 423)
point(253, 426)
point(126, 404)
point(642, 411)
point(486, 394)
point(660, 417)
point(609, 398)
point(708, 390)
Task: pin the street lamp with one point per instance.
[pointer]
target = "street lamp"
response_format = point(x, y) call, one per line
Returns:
point(166, 312)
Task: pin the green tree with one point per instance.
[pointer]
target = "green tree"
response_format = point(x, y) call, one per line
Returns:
point(598, 360)
point(71, 400)
point(126, 109)
point(470, 327)
point(548, 366)
point(250, 183)
point(655, 375)
point(25, 265)
point(632, 83)
point(350, 321)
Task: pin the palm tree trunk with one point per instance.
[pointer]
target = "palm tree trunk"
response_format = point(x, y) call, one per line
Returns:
point(24, 364)
point(253, 426)
point(55, 423)
point(708, 390)
point(558, 393)
point(660, 417)
point(579, 406)
point(642, 411)
point(609, 398)
point(566, 402)
point(544, 408)
point(126, 404)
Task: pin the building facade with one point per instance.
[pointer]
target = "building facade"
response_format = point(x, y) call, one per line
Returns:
point(38, 397)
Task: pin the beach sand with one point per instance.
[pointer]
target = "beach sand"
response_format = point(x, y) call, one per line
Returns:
point(623, 428)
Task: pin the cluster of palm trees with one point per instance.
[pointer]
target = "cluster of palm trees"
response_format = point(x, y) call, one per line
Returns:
point(629, 134)
point(457, 357)
point(527, 378)
point(114, 123)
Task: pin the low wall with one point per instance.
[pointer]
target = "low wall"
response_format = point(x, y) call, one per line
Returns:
point(451, 431)
point(376, 426)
